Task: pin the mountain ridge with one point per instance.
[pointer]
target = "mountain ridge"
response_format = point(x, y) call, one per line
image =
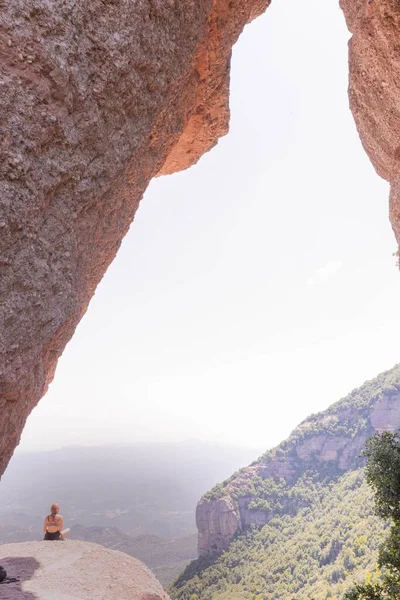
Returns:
point(329, 442)
point(299, 521)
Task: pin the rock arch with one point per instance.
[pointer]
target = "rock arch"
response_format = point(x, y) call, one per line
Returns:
point(97, 98)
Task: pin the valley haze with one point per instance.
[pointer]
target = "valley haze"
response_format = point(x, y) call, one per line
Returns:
point(138, 498)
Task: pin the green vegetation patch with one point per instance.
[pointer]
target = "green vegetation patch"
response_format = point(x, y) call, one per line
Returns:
point(317, 553)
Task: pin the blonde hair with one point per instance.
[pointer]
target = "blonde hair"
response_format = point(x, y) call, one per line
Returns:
point(54, 508)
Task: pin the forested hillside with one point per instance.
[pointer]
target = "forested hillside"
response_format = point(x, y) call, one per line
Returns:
point(299, 522)
point(317, 553)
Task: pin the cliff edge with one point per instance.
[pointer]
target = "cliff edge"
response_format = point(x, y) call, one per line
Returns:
point(74, 570)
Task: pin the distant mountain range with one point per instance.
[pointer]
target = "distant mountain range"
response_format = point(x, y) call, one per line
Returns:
point(298, 523)
point(139, 498)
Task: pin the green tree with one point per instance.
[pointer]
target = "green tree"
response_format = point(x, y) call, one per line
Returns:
point(383, 475)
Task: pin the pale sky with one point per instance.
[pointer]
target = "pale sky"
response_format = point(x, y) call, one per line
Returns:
point(253, 289)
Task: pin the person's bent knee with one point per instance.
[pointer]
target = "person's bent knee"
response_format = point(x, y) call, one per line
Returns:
point(50, 537)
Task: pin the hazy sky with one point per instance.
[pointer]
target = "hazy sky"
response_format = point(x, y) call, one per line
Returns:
point(255, 288)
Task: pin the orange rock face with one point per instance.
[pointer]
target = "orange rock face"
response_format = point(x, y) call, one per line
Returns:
point(97, 98)
point(374, 87)
point(209, 119)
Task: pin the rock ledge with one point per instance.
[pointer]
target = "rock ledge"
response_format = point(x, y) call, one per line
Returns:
point(75, 570)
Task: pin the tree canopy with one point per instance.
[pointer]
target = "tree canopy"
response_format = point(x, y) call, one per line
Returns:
point(383, 475)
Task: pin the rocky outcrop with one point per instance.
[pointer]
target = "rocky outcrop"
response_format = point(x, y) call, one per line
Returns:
point(329, 444)
point(97, 98)
point(74, 571)
point(218, 522)
point(374, 87)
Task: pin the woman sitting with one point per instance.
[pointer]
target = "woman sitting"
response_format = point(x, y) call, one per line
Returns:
point(53, 525)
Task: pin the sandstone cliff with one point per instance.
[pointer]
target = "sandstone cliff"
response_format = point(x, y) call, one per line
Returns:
point(74, 571)
point(327, 444)
point(97, 98)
